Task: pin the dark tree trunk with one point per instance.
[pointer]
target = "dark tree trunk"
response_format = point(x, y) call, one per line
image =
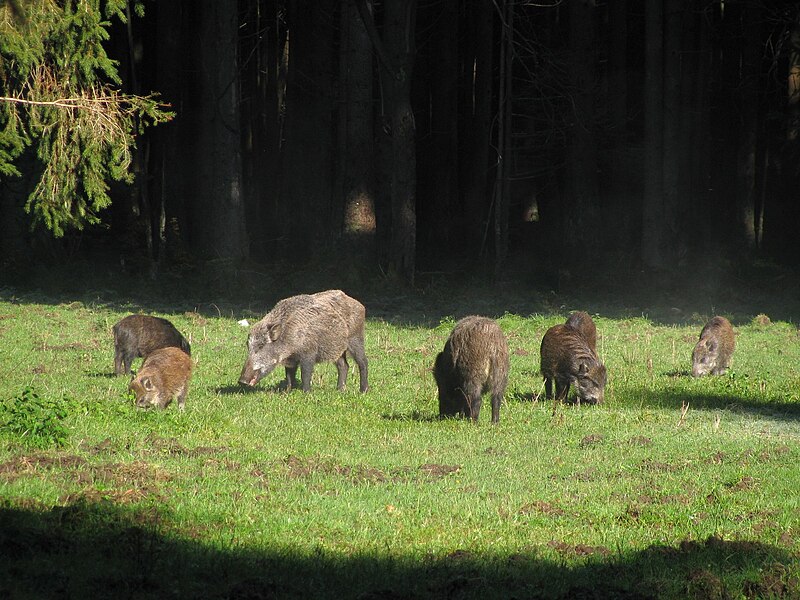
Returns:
point(504, 114)
point(218, 218)
point(479, 71)
point(580, 236)
point(652, 205)
point(356, 157)
point(308, 163)
point(748, 132)
point(672, 156)
point(396, 53)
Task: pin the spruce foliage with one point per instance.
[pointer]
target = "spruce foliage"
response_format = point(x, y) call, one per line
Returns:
point(60, 99)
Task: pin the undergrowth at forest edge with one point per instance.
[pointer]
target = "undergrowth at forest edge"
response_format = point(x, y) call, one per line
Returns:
point(265, 493)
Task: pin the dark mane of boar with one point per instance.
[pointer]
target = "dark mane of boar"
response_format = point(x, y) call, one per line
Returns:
point(303, 330)
point(713, 351)
point(164, 375)
point(138, 335)
point(583, 323)
point(567, 358)
point(474, 362)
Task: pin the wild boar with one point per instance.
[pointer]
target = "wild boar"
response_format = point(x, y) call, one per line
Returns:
point(138, 335)
point(567, 358)
point(713, 351)
point(474, 362)
point(583, 323)
point(164, 375)
point(304, 330)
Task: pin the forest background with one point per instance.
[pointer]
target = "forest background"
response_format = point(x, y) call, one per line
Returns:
point(400, 137)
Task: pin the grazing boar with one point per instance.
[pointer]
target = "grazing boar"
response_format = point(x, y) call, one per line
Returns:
point(714, 349)
point(139, 335)
point(474, 361)
point(164, 375)
point(582, 322)
point(304, 330)
point(567, 358)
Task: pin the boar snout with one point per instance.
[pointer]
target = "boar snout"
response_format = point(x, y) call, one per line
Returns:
point(251, 375)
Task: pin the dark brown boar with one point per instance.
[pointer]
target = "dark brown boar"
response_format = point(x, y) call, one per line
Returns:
point(582, 322)
point(714, 349)
point(304, 330)
point(138, 335)
point(474, 362)
point(164, 375)
point(567, 358)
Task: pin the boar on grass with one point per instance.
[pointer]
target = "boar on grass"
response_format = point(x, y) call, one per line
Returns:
point(304, 330)
point(567, 358)
point(139, 335)
point(164, 375)
point(714, 349)
point(474, 362)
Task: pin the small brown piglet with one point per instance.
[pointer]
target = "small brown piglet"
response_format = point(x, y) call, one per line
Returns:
point(164, 375)
point(714, 349)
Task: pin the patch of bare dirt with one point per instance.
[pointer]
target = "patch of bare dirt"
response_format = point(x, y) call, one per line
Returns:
point(541, 507)
point(744, 484)
point(577, 550)
point(591, 440)
point(704, 585)
point(654, 466)
point(438, 471)
point(20, 466)
point(640, 440)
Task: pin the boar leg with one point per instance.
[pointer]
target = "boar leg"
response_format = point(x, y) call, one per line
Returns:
point(291, 378)
point(472, 402)
point(548, 388)
point(342, 367)
point(562, 390)
point(306, 371)
point(182, 397)
point(497, 400)
point(356, 350)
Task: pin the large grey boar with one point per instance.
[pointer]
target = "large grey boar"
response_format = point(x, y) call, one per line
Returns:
point(474, 361)
point(304, 330)
point(567, 358)
point(714, 349)
point(139, 335)
point(164, 375)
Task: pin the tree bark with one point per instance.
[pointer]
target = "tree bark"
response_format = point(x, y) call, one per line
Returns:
point(653, 201)
point(580, 236)
point(308, 162)
point(504, 114)
point(396, 53)
point(219, 224)
point(356, 160)
point(479, 69)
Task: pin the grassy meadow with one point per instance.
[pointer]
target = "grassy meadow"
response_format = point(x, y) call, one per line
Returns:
point(674, 487)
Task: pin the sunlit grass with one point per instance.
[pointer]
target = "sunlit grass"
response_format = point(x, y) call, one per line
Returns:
point(667, 460)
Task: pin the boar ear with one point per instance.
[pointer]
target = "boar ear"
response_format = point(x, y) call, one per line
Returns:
point(712, 345)
point(583, 369)
point(274, 332)
point(147, 384)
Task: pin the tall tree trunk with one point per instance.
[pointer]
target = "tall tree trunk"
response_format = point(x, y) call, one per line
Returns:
point(652, 204)
point(672, 156)
point(396, 52)
point(219, 220)
point(308, 160)
point(748, 131)
point(479, 70)
point(504, 114)
point(580, 236)
point(357, 217)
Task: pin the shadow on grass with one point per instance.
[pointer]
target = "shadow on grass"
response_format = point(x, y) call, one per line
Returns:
point(108, 375)
point(228, 390)
point(768, 407)
point(108, 551)
point(415, 415)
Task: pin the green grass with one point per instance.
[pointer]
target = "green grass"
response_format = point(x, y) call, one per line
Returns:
point(260, 494)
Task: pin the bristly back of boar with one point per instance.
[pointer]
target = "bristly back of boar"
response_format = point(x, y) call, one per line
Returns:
point(567, 358)
point(713, 351)
point(139, 335)
point(583, 323)
point(303, 330)
point(474, 362)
